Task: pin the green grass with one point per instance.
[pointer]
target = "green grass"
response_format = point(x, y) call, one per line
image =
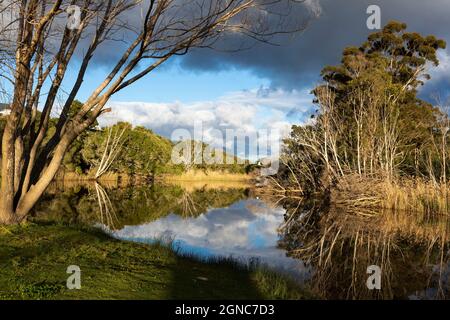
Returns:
point(34, 258)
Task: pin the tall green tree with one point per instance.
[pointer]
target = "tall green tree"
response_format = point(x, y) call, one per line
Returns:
point(370, 119)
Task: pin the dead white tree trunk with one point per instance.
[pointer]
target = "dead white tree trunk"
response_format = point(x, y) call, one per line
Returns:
point(113, 146)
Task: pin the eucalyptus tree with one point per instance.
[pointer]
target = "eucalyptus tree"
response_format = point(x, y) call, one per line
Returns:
point(370, 121)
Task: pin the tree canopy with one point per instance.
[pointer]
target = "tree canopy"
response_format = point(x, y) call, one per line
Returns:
point(370, 119)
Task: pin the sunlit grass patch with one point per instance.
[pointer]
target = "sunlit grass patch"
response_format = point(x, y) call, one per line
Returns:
point(34, 259)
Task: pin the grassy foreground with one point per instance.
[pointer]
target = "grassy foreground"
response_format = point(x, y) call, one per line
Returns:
point(34, 259)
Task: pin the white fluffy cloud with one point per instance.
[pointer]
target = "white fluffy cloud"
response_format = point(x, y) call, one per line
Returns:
point(443, 69)
point(247, 112)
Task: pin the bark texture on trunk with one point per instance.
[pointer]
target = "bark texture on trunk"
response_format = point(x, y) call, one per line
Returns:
point(7, 214)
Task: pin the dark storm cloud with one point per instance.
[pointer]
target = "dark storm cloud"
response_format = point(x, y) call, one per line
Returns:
point(342, 23)
point(265, 17)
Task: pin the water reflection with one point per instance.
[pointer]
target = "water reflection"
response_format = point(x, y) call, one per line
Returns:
point(202, 219)
point(245, 230)
point(327, 247)
point(117, 207)
point(339, 244)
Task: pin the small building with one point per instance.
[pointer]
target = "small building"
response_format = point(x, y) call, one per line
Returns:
point(5, 109)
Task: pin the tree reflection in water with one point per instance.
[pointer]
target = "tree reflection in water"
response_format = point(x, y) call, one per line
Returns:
point(339, 244)
point(116, 207)
point(107, 213)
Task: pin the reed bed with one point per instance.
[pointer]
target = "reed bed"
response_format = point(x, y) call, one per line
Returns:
point(411, 195)
point(199, 175)
point(191, 186)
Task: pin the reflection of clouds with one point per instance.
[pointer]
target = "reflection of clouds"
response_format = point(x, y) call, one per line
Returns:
point(260, 208)
point(245, 230)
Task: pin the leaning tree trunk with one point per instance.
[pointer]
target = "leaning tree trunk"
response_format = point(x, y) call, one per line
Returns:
point(28, 201)
point(7, 215)
point(13, 210)
point(112, 150)
point(9, 172)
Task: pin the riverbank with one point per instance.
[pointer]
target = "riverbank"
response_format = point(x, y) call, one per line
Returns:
point(34, 258)
point(124, 179)
point(404, 194)
point(109, 178)
point(200, 175)
point(353, 192)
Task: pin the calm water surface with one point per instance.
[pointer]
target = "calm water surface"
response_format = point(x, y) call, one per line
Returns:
point(327, 248)
point(246, 230)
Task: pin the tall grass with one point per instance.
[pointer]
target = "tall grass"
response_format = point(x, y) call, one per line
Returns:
point(411, 195)
point(191, 186)
point(273, 285)
point(417, 195)
point(200, 175)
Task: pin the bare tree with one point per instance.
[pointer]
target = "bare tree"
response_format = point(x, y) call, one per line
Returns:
point(38, 48)
point(113, 146)
point(444, 128)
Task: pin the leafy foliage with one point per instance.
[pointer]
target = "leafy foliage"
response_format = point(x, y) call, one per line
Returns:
point(144, 152)
point(370, 120)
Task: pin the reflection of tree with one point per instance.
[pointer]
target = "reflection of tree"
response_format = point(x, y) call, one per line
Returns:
point(188, 206)
point(134, 205)
point(199, 201)
point(411, 251)
point(107, 212)
point(66, 204)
